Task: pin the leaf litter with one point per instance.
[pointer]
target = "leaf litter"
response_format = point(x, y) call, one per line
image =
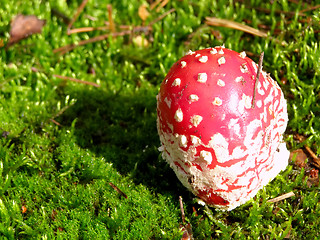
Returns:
point(24, 26)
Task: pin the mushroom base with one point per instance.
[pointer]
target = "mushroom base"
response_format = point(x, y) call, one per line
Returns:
point(280, 160)
point(223, 187)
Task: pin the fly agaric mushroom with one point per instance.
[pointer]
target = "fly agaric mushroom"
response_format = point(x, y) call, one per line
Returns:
point(222, 144)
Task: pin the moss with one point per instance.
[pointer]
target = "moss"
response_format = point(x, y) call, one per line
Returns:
point(55, 175)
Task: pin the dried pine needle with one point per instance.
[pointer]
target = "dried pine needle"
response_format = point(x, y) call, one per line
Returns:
point(281, 197)
point(218, 22)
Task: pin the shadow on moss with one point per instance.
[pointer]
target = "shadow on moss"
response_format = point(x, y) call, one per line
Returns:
point(122, 128)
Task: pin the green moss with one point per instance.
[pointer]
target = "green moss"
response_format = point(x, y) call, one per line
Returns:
point(54, 179)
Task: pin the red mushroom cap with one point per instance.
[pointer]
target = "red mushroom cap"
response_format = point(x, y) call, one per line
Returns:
point(221, 147)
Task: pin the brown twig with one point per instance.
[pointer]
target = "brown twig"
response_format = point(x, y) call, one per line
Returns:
point(183, 216)
point(59, 14)
point(154, 4)
point(91, 17)
point(161, 17)
point(162, 5)
point(79, 10)
point(281, 197)
point(313, 155)
point(294, 1)
point(67, 48)
point(118, 190)
point(315, 159)
point(76, 80)
point(55, 122)
point(59, 114)
point(111, 22)
point(279, 12)
point(62, 111)
point(218, 22)
point(310, 8)
point(90, 29)
point(87, 29)
point(257, 79)
point(185, 227)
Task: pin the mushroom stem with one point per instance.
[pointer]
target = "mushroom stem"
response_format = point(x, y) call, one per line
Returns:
point(257, 79)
